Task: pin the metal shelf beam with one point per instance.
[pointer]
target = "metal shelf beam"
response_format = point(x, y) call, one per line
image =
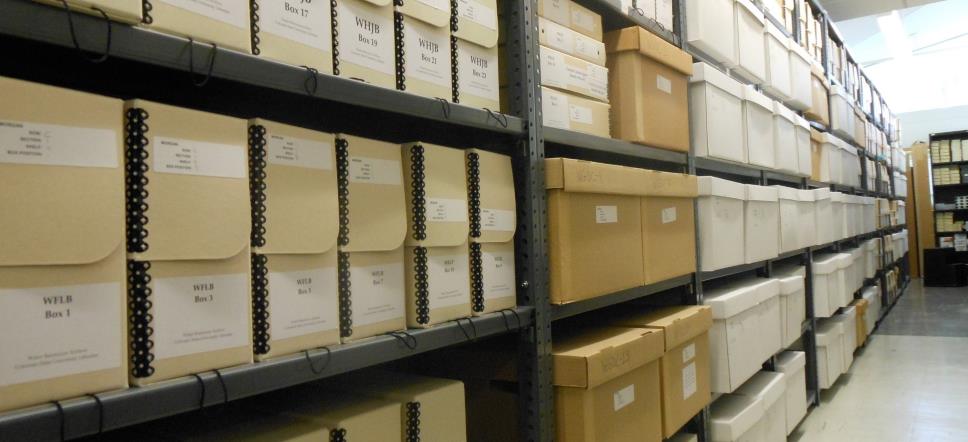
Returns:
point(575, 308)
point(585, 145)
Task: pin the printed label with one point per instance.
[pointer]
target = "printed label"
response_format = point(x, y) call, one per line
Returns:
point(663, 84)
point(199, 314)
point(232, 12)
point(377, 294)
point(478, 13)
point(623, 397)
point(688, 381)
point(58, 331)
point(443, 5)
point(366, 39)
point(302, 302)
point(581, 20)
point(449, 280)
point(190, 157)
point(498, 274)
point(446, 210)
point(557, 72)
point(497, 220)
point(555, 110)
point(477, 71)
point(580, 114)
point(428, 52)
point(688, 353)
point(299, 152)
point(53, 145)
point(669, 215)
point(303, 21)
point(606, 214)
point(375, 171)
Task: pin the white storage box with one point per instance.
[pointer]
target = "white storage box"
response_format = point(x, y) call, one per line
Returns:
point(835, 158)
point(762, 223)
point(850, 165)
point(745, 332)
point(784, 140)
point(873, 312)
point(758, 128)
point(822, 216)
point(777, 63)
point(801, 129)
point(901, 213)
point(838, 218)
point(860, 266)
point(870, 261)
point(807, 209)
point(870, 214)
point(848, 321)
point(857, 214)
point(716, 114)
point(793, 309)
point(826, 284)
point(844, 262)
point(793, 366)
point(734, 418)
point(830, 352)
point(750, 52)
point(770, 388)
point(789, 202)
point(852, 266)
point(710, 29)
point(801, 92)
point(841, 112)
point(721, 220)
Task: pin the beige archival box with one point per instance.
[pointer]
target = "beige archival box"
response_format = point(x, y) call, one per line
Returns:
point(423, 48)
point(365, 35)
point(222, 22)
point(300, 34)
point(493, 221)
point(476, 54)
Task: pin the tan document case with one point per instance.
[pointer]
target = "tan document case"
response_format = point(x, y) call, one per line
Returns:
point(493, 221)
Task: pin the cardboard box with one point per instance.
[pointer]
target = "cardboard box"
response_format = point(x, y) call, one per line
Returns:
point(750, 57)
point(300, 35)
point(571, 112)
point(571, 74)
point(685, 361)
point(861, 306)
point(364, 31)
point(761, 223)
point(492, 410)
point(476, 59)
point(248, 425)
point(758, 122)
point(573, 16)
point(710, 28)
point(61, 277)
point(594, 228)
point(423, 50)
point(493, 221)
point(438, 284)
point(570, 42)
point(715, 111)
point(721, 223)
point(668, 223)
point(734, 417)
point(228, 25)
point(188, 241)
point(607, 385)
point(648, 80)
point(347, 417)
point(125, 11)
point(770, 388)
point(372, 303)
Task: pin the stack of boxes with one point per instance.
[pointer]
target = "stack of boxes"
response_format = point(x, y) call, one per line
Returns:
point(946, 175)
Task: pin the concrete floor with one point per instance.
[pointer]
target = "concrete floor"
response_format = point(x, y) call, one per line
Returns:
point(909, 383)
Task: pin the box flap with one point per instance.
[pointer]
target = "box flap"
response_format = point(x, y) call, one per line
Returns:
point(729, 300)
point(301, 198)
point(498, 216)
point(751, 95)
point(197, 184)
point(714, 186)
point(591, 177)
point(436, 194)
point(732, 415)
point(780, 110)
point(748, 7)
point(768, 386)
point(61, 208)
point(594, 356)
point(703, 72)
point(668, 184)
point(433, 12)
point(477, 22)
point(635, 38)
point(787, 193)
point(790, 361)
point(377, 217)
point(679, 323)
point(761, 193)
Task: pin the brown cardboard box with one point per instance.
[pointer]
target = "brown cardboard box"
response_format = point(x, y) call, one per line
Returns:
point(668, 223)
point(571, 112)
point(492, 410)
point(820, 107)
point(648, 83)
point(685, 364)
point(595, 228)
point(607, 385)
point(861, 305)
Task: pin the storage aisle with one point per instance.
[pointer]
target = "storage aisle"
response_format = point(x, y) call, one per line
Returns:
point(908, 383)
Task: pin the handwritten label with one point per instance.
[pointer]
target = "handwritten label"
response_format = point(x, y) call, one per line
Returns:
point(478, 13)
point(663, 84)
point(689, 381)
point(669, 215)
point(497, 220)
point(447, 210)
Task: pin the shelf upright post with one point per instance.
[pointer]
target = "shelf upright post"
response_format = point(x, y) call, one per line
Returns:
point(810, 336)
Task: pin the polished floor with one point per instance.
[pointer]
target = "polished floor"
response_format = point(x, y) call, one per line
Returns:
point(910, 381)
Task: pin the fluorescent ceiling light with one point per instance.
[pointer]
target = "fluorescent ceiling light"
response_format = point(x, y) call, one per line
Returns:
point(894, 35)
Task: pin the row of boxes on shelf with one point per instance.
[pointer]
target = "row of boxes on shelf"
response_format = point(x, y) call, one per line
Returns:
point(947, 151)
point(945, 222)
point(946, 175)
point(840, 335)
point(434, 49)
point(836, 161)
point(242, 238)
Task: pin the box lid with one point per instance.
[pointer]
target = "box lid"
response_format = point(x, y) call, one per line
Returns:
point(824, 264)
point(436, 194)
point(679, 323)
point(702, 72)
point(594, 356)
point(751, 95)
point(822, 193)
point(780, 110)
point(591, 177)
point(714, 186)
point(477, 22)
point(635, 38)
point(669, 184)
point(817, 70)
point(828, 331)
point(750, 9)
point(848, 313)
point(801, 122)
point(768, 386)
point(837, 197)
point(790, 361)
point(767, 289)
point(497, 214)
point(435, 13)
point(732, 415)
point(731, 299)
point(790, 284)
point(798, 51)
point(772, 31)
point(838, 90)
point(761, 193)
point(807, 195)
point(787, 193)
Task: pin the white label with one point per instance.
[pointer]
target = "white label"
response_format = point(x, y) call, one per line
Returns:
point(623, 397)
point(198, 314)
point(52, 145)
point(302, 302)
point(446, 210)
point(606, 214)
point(377, 293)
point(190, 157)
point(478, 13)
point(428, 52)
point(688, 353)
point(477, 71)
point(303, 21)
point(497, 220)
point(669, 215)
point(51, 332)
point(688, 381)
point(299, 152)
point(580, 114)
point(233, 12)
point(582, 20)
point(663, 84)
point(449, 280)
point(498, 274)
point(555, 110)
point(365, 39)
point(375, 171)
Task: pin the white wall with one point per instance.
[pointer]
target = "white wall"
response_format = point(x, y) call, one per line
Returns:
point(916, 126)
